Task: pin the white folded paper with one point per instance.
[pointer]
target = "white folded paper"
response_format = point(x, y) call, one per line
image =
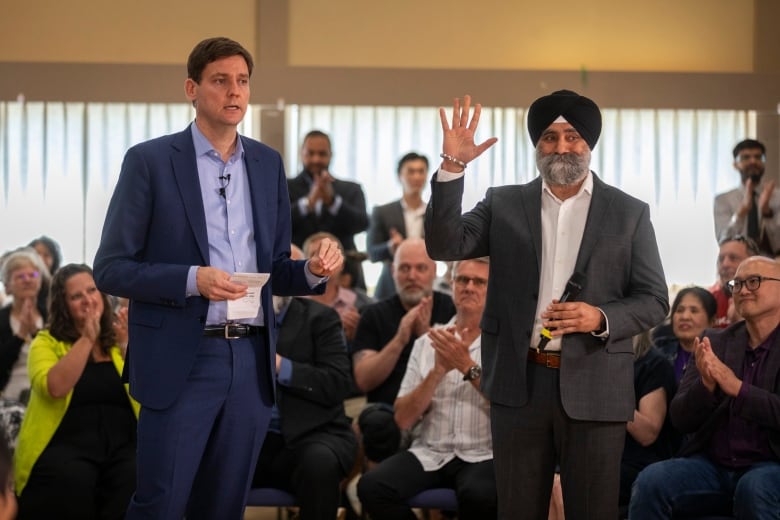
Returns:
point(248, 306)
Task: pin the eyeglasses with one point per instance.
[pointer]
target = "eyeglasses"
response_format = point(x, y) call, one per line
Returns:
point(21, 277)
point(751, 282)
point(463, 281)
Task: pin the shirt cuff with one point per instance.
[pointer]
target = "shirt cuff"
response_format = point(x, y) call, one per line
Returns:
point(312, 279)
point(605, 333)
point(303, 206)
point(192, 282)
point(445, 176)
point(284, 377)
point(336, 206)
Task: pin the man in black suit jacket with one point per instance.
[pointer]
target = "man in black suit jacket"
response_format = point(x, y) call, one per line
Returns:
point(310, 446)
point(570, 403)
point(729, 401)
point(320, 202)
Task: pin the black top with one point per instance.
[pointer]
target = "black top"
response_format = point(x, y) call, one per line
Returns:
point(11, 345)
point(653, 371)
point(379, 323)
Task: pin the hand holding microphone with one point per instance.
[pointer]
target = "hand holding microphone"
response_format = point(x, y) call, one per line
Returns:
point(570, 293)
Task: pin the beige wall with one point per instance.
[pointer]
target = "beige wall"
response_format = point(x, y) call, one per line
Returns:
point(661, 35)
point(110, 31)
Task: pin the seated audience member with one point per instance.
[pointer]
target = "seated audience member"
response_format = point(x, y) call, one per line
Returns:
point(23, 273)
point(310, 445)
point(75, 457)
point(7, 497)
point(650, 436)
point(384, 339)
point(452, 445)
point(49, 251)
point(732, 250)
point(728, 401)
point(347, 302)
point(395, 221)
point(693, 311)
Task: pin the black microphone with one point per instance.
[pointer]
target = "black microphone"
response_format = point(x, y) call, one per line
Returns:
point(572, 290)
point(225, 178)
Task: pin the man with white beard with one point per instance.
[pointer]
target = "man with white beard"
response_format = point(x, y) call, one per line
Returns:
point(559, 374)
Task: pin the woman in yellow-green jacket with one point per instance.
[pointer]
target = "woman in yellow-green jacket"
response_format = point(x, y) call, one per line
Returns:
point(75, 456)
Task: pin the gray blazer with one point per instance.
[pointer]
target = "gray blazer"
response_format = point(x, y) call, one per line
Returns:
point(624, 278)
point(383, 219)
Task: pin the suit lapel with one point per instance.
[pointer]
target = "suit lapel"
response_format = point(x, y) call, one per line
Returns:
point(397, 218)
point(287, 335)
point(772, 368)
point(259, 191)
point(594, 225)
point(185, 171)
point(531, 195)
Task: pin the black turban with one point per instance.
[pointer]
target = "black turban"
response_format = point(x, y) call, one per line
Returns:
point(579, 111)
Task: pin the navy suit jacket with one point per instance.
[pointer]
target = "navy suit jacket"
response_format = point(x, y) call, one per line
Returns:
point(155, 229)
point(624, 278)
point(697, 412)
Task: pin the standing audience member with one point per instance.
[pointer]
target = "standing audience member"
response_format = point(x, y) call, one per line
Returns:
point(75, 457)
point(544, 403)
point(753, 209)
point(693, 311)
point(23, 274)
point(320, 202)
point(732, 250)
point(190, 211)
point(729, 403)
point(441, 402)
point(310, 446)
point(395, 221)
point(384, 339)
point(650, 435)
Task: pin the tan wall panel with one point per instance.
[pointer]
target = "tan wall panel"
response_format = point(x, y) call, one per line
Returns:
point(662, 35)
point(109, 31)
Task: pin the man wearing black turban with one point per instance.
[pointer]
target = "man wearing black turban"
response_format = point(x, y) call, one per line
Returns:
point(559, 374)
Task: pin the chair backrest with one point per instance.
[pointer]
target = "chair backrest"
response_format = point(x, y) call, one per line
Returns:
point(436, 498)
point(270, 497)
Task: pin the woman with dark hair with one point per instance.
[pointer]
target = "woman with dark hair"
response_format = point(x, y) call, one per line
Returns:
point(75, 456)
point(650, 435)
point(692, 312)
point(49, 251)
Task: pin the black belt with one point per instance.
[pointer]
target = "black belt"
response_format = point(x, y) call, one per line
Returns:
point(231, 330)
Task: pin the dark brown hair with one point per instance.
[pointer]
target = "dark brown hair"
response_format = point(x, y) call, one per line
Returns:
point(214, 49)
point(61, 324)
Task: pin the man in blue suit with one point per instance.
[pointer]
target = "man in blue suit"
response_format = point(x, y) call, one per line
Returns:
point(189, 210)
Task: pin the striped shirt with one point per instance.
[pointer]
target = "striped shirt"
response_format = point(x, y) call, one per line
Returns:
point(457, 423)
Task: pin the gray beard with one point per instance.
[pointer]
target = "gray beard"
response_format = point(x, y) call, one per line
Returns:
point(563, 169)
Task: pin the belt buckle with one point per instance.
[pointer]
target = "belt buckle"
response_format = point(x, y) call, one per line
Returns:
point(227, 331)
point(547, 361)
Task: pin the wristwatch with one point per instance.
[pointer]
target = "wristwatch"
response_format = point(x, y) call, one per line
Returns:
point(474, 372)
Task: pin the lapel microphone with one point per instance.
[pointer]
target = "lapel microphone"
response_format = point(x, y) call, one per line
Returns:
point(226, 180)
point(570, 293)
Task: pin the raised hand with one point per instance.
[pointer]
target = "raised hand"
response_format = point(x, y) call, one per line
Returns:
point(458, 139)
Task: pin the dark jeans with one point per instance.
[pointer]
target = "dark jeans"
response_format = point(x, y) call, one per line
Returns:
point(383, 491)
